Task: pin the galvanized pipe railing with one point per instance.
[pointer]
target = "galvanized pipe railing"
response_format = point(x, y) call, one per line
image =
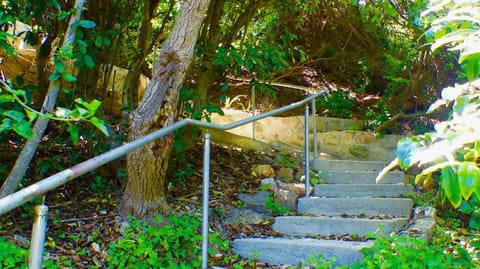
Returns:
point(307, 153)
point(26, 194)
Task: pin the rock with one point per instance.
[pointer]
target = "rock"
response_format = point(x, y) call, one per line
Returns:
point(425, 212)
point(423, 223)
point(264, 170)
point(244, 216)
point(285, 174)
point(255, 201)
point(270, 183)
point(288, 194)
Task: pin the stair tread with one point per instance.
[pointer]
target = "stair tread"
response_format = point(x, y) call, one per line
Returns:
point(348, 165)
point(361, 190)
point(361, 177)
point(369, 206)
point(291, 251)
point(334, 225)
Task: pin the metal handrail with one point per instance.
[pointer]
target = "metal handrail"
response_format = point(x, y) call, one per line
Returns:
point(26, 194)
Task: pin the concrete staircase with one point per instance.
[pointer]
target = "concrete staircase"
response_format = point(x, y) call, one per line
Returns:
point(349, 206)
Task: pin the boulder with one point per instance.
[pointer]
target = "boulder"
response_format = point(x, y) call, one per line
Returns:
point(287, 194)
point(264, 170)
point(255, 201)
point(285, 174)
point(245, 216)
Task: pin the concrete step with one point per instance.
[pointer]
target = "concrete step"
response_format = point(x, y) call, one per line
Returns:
point(361, 190)
point(398, 207)
point(347, 165)
point(284, 251)
point(361, 177)
point(311, 225)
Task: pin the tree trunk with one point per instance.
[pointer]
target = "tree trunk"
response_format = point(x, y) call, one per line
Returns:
point(144, 194)
point(25, 157)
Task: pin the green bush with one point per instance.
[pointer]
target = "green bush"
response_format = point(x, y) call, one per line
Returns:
point(408, 252)
point(176, 245)
point(12, 256)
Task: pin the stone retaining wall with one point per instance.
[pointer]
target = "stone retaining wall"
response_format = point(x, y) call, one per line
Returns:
point(337, 138)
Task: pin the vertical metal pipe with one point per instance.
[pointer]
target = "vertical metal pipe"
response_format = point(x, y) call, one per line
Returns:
point(253, 112)
point(307, 158)
point(206, 183)
point(39, 231)
point(314, 129)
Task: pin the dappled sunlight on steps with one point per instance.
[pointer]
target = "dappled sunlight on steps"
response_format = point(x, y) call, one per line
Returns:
point(341, 213)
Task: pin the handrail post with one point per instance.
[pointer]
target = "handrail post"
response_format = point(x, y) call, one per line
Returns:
point(206, 183)
point(253, 111)
point(39, 231)
point(307, 157)
point(314, 129)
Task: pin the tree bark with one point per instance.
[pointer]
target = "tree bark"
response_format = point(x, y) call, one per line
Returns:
point(25, 157)
point(144, 194)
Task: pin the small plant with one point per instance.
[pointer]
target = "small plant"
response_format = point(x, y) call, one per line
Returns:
point(319, 262)
point(100, 184)
point(12, 256)
point(287, 160)
point(317, 177)
point(276, 208)
point(176, 245)
point(409, 252)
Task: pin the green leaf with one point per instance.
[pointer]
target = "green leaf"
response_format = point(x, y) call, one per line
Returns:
point(6, 98)
point(471, 66)
point(474, 222)
point(59, 67)
point(24, 129)
point(468, 174)
point(15, 115)
point(100, 124)
point(88, 24)
point(55, 4)
point(99, 41)
point(69, 77)
point(6, 125)
point(74, 133)
point(92, 106)
point(449, 182)
point(477, 188)
point(107, 41)
point(89, 62)
point(55, 76)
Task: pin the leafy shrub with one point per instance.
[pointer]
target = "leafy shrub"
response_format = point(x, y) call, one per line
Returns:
point(453, 150)
point(409, 252)
point(176, 245)
point(337, 104)
point(12, 256)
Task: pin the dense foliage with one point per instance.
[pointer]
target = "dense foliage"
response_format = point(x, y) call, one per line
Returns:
point(453, 150)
